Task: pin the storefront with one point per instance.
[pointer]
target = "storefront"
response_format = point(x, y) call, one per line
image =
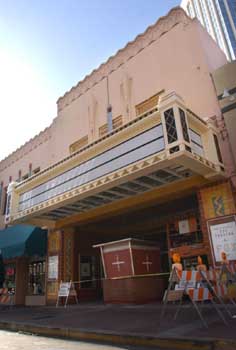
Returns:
point(23, 250)
point(159, 179)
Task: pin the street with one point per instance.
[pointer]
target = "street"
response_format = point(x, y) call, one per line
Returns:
point(20, 341)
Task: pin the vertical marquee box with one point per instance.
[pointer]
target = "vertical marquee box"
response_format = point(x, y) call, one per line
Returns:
point(130, 268)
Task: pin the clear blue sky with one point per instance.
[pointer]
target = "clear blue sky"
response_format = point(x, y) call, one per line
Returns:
point(47, 46)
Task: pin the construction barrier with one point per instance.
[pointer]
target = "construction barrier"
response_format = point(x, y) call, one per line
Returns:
point(6, 298)
point(198, 288)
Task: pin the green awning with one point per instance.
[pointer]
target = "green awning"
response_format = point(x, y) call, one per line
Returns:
point(23, 240)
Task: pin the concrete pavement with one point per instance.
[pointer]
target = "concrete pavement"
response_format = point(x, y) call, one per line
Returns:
point(19, 341)
point(125, 325)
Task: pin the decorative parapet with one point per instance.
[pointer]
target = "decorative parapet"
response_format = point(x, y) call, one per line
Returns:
point(29, 146)
point(152, 34)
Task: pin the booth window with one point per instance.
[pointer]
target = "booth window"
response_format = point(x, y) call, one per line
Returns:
point(36, 278)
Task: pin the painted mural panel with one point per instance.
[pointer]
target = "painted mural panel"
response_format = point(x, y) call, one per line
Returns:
point(217, 201)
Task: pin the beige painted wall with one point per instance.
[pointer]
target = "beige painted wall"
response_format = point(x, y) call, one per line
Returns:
point(178, 61)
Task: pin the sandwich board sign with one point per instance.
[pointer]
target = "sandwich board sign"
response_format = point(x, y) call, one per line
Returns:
point(66, 290)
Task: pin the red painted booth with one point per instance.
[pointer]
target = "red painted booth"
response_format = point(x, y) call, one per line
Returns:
point(130, 268)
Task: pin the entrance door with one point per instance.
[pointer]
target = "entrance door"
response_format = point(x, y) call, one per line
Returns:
point(89, 277)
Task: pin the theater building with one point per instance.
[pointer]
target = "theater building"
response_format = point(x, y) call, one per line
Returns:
point(135, 169)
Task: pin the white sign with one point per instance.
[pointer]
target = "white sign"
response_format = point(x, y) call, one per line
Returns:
point(224, 240)
point(53, 267)
point(64, 290)
point(184, 226)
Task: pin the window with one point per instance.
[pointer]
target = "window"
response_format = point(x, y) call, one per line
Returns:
point(190, 10)
point(147, 105)
point(185, 231)
point(218, 149)
point(30, 169)
point(19, 176)
point(184, 125)
point(36, 278)
point(116, 123)
point(25, 177)
point(77, 145)
point(170, 125)
point(37, 170)
point(196, 143)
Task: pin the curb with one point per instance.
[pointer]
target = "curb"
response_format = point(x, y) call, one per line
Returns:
point(123, 339)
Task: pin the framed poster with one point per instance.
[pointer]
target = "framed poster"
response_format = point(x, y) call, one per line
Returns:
point(184, 226)
point(223, 237)
point(53, 267)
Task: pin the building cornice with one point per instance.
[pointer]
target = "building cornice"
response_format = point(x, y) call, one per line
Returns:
point(26, 148)
point(154, 32)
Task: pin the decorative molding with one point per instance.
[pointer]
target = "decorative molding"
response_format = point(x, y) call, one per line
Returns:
point(152, 34)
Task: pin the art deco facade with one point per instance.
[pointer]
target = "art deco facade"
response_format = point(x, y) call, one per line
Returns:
point(135, 152)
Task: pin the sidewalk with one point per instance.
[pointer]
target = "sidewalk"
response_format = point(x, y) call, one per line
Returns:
point(125, 325)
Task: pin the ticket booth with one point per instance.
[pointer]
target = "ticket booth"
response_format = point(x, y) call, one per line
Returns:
point(131, 268)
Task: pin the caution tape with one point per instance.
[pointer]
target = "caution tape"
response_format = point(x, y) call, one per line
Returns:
point(124, 277)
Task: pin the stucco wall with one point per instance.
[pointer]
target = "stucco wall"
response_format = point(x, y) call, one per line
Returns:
point(179, 60)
